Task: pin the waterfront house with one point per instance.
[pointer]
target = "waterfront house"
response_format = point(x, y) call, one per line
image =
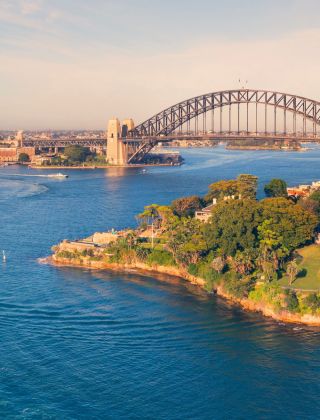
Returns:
point(303, 190)
point(204, 214)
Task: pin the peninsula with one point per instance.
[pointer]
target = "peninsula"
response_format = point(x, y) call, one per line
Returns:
point(266, 144)
point(261, 254)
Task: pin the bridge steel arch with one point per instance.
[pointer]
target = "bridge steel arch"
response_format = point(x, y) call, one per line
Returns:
point(168, 120)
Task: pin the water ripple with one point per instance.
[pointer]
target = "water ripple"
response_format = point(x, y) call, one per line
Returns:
point(80, 344)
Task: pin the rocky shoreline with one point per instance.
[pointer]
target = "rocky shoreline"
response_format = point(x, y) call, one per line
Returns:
point(244, 303)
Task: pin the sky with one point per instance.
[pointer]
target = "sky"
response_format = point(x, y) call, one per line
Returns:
point(73, 64)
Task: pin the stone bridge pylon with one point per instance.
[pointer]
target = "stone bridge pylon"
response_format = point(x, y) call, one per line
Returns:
point(117, 146)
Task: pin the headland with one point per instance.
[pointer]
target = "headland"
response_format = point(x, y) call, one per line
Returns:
point(262, 255)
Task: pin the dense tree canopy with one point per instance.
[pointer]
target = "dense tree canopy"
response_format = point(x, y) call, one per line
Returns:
point(187, 241)
point(274, 226)
point(234, 226)
point(247, 186)
point(77, 154)
point(276, 188)
point(315, 196)
point(150, 215)
point(187, 206)
point(221, 189)
point(244, 248)
point(295, 225)
point(244, 237)
point(312, 203)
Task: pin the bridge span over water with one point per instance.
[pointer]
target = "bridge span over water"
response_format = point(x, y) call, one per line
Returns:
point(225, 115)
point(279, 115)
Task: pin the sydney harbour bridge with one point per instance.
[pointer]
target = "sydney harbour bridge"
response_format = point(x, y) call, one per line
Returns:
point(225, 115)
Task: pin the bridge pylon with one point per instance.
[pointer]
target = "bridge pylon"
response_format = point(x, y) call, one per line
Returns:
point(117, 149)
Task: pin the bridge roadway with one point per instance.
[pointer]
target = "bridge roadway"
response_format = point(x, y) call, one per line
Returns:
point(94, 142)
point(63, 142)
point(229, 137)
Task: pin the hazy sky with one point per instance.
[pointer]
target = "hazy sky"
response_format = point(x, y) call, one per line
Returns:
point(76, 63)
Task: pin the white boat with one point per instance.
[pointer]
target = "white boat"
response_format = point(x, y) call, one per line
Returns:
point(4, 258)
point(58, 175)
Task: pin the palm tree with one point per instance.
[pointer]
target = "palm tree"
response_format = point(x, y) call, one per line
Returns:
point(131, 238)
point(150, 213)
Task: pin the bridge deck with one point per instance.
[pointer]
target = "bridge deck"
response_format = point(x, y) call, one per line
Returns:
point(93, 142)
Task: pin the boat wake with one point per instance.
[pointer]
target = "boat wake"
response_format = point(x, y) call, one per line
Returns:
point(58, 175)
point(19, 189)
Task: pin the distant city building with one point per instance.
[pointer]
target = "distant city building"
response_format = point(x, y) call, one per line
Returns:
point(303, 190)
point(8, 154)
point(11, 154)
point(19, 136)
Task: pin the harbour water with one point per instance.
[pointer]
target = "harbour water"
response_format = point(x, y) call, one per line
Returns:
point(80, 344)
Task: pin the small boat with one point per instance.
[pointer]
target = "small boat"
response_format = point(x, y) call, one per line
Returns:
point(4, 258)
point(58, 175)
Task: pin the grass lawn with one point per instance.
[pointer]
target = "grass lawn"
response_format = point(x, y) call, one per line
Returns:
point(311, 263)
point(148, 245)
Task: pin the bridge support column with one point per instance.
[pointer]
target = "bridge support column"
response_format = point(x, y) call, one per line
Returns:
point(117, 150)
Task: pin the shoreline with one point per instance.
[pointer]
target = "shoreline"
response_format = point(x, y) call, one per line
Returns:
point(245, 303)
point(100, 166)
point(258, 148)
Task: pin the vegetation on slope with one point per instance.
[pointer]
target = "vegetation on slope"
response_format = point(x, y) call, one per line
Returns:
point(247, 247)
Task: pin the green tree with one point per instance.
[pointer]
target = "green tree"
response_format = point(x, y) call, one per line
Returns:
point(142, 253)
point(150, 216)
point(276, 188)
point(291, 301)
point(315, 195)
point(187, 241)
point(23, 158)
point(268, 270)
point(167, 219)
point(292, 271)
point(76, 154)
point(312, 301)
point(187, 206)
point(131, 238)
point(242, 263)
point(292, 223)
point(271, 247)
point(234, 226)
point(221, 189)
point(310, 205)
point(247, 186)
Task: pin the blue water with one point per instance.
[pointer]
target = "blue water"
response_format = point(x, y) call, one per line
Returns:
point(80, 344)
